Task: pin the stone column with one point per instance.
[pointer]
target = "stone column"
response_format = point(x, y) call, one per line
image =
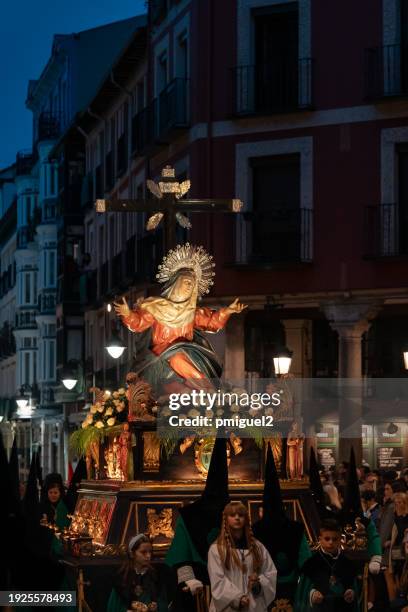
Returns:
point(298, 334)
point(351, 321)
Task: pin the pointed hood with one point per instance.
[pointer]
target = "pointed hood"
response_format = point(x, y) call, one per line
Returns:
point(352, 501)
point(77, 477)
point(14, 480)
point(38, 467)
point(280, 535)
point(5, 507)
point(204, 514)
point(272, 499)
point(316, 486)
point(31, 502)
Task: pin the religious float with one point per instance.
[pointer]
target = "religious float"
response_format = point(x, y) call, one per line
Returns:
point(140, 471)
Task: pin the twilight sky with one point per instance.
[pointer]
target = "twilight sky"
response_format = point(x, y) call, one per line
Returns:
point(26, 31)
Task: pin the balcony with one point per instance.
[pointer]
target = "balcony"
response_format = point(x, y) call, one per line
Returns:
point(156, 124)
point(386, 72)
point(386, 231)
point(278, 236)
point(48, 126)
point(25, 161)
point(280, 87)
point(25, 235)
point(26, 320)
point(47, 302)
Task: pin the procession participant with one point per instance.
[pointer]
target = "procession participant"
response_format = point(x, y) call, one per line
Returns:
point(328, 577)
point(283, 538)
point(52, 502)
point(139, 585)
point(197, 527)
point(242, 573)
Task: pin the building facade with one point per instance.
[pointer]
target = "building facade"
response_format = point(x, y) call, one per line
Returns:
point(265, 101)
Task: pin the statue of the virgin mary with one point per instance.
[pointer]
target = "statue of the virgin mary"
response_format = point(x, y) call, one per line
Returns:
point(178, 354)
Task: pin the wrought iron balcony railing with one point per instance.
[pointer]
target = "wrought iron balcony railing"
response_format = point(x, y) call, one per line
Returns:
point(386, 71)
point(386, 230)
point(26, 319)
point(166, 113)
point(47, 302)
point(284, 85)
point(280, 235)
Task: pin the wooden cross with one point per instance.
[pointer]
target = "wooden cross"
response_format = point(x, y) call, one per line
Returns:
point(168, 203)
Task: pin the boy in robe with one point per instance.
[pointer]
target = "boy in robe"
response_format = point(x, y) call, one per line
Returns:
point(328, 576)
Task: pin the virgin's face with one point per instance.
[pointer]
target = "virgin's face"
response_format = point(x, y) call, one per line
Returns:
point(183, 289)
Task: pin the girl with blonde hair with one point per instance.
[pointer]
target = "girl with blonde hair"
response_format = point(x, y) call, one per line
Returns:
point(242, 573)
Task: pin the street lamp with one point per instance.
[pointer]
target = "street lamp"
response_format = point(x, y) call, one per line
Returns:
point(69, 377)
point(27, 394)
point(282, 360)
point(115, 346)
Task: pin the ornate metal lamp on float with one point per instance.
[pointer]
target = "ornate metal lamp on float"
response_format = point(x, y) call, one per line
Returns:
point(141, 479)
point(405, 357)
point(282, 361)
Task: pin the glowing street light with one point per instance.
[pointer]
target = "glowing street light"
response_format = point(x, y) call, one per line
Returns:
point(282, 361)
point(115, 346)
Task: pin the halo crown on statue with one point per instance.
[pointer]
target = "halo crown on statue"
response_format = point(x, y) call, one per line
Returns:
point(188, 257)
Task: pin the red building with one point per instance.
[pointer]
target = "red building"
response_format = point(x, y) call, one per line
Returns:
point(299, 109)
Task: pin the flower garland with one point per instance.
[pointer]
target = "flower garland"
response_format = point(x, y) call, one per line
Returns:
point(109, 411)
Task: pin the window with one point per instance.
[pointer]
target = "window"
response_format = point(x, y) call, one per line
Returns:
point(26, 374)
point(51, 360)
point(276, 221)
point(401, 209)
point(161, 76)
point(27, 289)
point(276, 50)
point(101, 244)
point(112, 235)
point(52, 270)
point(182, 56)
point(140, 96)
